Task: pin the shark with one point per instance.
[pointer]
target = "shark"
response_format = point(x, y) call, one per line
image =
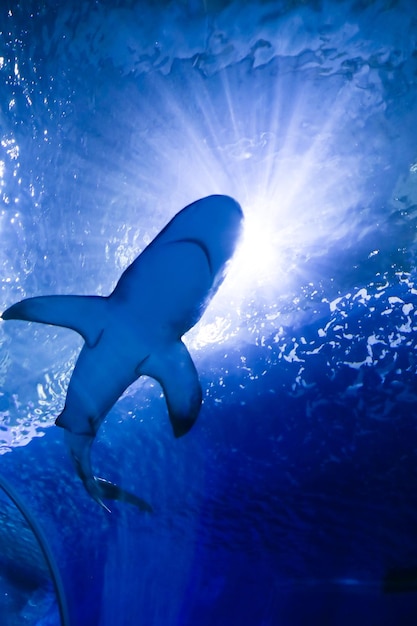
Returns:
point(137, 330)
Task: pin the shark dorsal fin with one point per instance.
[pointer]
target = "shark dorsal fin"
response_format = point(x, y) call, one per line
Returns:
point(84, 314)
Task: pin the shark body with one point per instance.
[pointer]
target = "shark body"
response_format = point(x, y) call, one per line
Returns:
point(137, 329)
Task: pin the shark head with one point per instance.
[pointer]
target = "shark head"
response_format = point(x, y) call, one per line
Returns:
point(214, 223)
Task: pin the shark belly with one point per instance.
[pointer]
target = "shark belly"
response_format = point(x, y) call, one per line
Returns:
point(170, 303)
point(172, 287)
point(96, 384)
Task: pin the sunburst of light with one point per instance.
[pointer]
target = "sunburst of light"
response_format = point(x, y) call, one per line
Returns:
point(282, 162)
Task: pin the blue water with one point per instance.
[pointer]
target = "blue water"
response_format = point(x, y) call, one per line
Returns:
point(293, 500)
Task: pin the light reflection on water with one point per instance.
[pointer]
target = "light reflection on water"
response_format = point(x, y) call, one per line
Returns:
point(301, 136)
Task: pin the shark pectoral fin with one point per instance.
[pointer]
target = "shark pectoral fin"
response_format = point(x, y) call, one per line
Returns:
point(177, 375)
point(84, 314)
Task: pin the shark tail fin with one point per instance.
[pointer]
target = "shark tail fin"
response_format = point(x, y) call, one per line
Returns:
point(98, 488)
point(113, 492)
point(80, 313)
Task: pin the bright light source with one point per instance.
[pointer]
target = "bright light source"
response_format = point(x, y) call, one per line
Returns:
point(257, 258)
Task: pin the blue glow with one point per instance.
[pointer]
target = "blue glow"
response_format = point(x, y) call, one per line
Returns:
point(114, 117)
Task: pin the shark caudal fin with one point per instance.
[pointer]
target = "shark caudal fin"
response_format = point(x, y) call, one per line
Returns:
point(84, 314)
point(111, 491)
point(98, 488)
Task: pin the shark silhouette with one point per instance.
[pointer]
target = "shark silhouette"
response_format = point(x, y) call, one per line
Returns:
point(137, 329)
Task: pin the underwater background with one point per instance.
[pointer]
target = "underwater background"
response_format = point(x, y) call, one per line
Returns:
point(293, 500)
